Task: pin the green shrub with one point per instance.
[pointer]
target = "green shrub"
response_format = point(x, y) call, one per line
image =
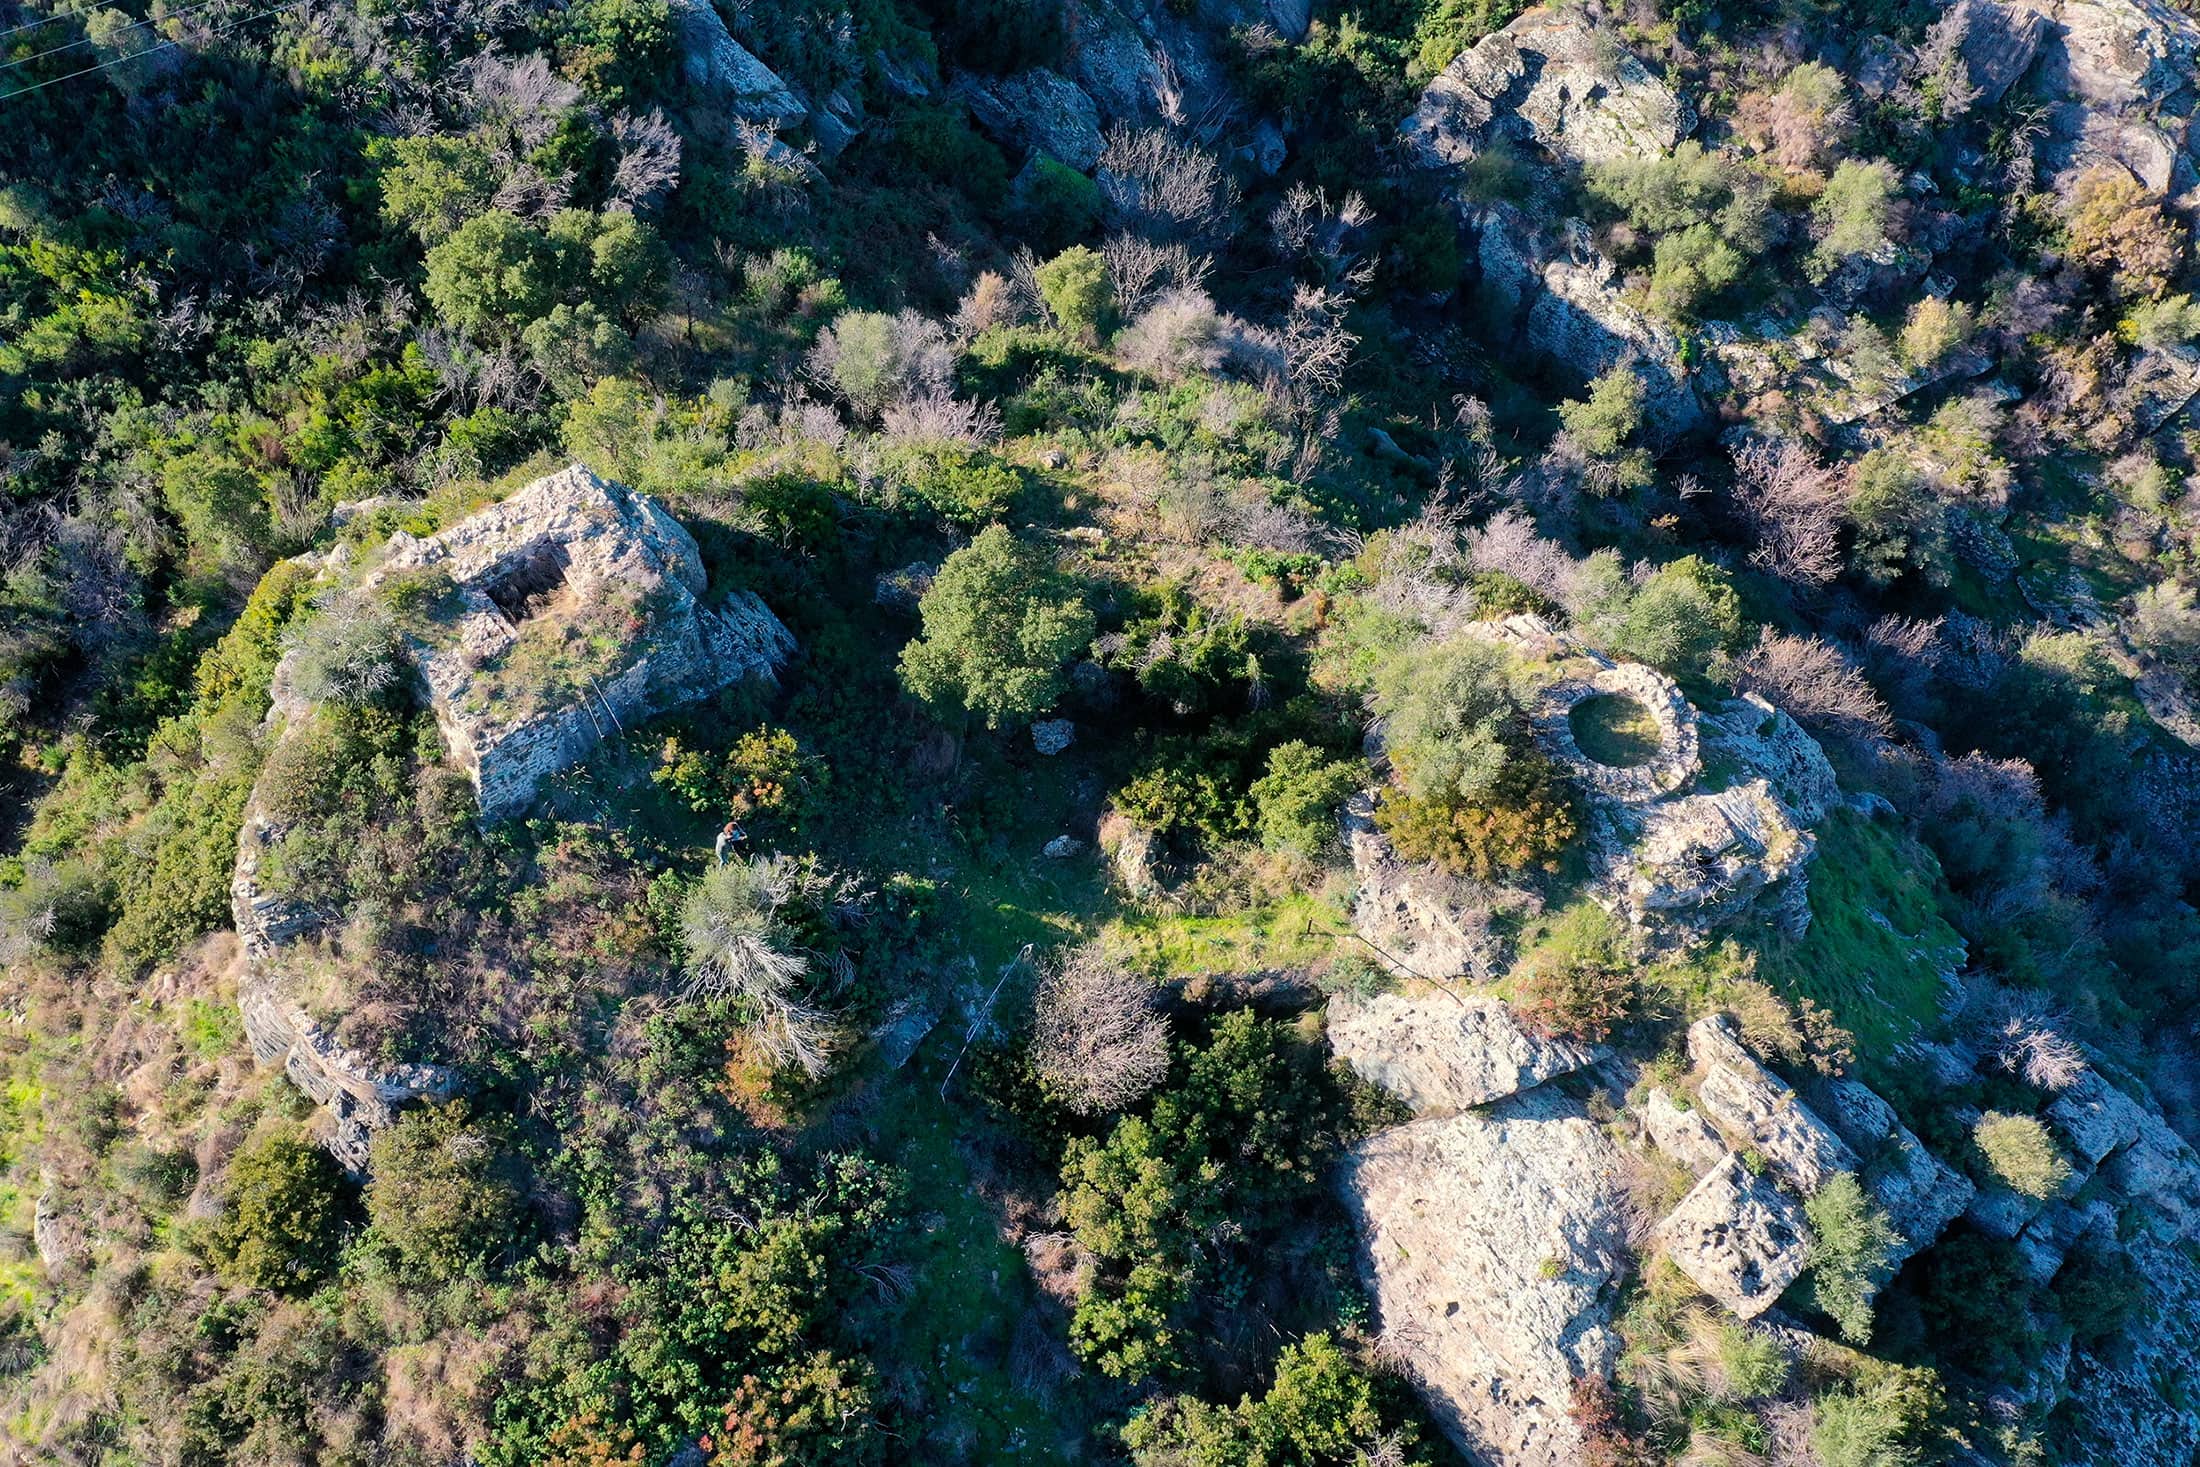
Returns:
point(1851, 1245)
point(1075, 286)
point(1683, 616)
point(2020, 1154)
point(1295, 801)
point(282, 1225)
point(1524, 821)
point(444, 1191)
point(1057, 205)
point(966, 487)
point(1887, 1422)
point(999, 622)
point(1579, 982)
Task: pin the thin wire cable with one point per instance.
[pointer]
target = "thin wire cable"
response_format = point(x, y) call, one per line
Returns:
point(31, 25)
point(87, 40)
point(149, 50)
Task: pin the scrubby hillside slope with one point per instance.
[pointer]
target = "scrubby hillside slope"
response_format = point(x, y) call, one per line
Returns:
point(983, 731)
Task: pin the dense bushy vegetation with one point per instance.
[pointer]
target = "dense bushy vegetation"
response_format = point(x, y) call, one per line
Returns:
point(912, 1127)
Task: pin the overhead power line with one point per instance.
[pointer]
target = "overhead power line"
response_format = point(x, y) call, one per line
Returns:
point(148, 51)
point(86, 40)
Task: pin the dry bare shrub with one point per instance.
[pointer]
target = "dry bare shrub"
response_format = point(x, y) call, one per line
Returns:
point(936, 416)
point(649, 159)
point(2118, 226)
point(1792, 504)
point(992, 300)
point(1164, 186)
point(1180, 334)
point(1939, 65)
point(2021, 1033)
point(1802, 121)
point(1140, 269)
point(1815, 683)
point(1095, 1038)
point(1510, 543)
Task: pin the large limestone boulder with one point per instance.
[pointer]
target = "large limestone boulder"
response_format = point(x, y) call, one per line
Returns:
point(1549, 288)
point(1553, 77)
point(511, 590)
point(1417, 921)
point(1707, 860)
point(571, 611)
point(1681, 1132)
point(1037, 111)
point(1493, 1239)
point(2118, 76)
point(1761, 1114)
point(1441, 1052)
point(1921, 1193)
point(1738, 1238)
point(727, 72)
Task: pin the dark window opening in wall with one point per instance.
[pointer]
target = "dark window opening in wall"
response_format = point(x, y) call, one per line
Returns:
point(530, 583)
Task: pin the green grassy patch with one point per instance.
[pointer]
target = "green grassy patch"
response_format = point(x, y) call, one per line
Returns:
point(1302, 928)
point(1615, 730)
point(1878, 940)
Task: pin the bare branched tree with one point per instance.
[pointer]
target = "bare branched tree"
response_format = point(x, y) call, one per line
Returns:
point(1140, 269)
point(936, 416)
point(1095, 1037)
point(1814, 683)
point(1793, 506)
point(1163, 186)
point(649, 159)
point(2021, 1032)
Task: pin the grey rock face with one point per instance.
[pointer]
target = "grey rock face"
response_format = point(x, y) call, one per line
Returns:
point(1766, 742)
point(1758, 1112)
point(1564, 300)
point(1492, 1239)
point(1038, 110)
point(1053, 735)
point(579, 543)
point(1441, 1053)
point(1552, 78)
point(1413, 917)
point(725, 70)
point(1738, 1238)
point(1999, 44)
point(1921, 1193)
point(1683, 1135)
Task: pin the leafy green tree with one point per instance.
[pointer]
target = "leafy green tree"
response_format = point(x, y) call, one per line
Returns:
point(1451, 720)
point(1854, 213)
point(1321, 1410)
point(1684, 614)
point(999, 622)
point(284, 1220)
point(1295, 801)
point(1075, 286)
point(1851, 1245)
point(434, 183)
point(1602, 426)
point(2020, 1154)
point(1898, 523)
point(493, 275)
point(444, 1190)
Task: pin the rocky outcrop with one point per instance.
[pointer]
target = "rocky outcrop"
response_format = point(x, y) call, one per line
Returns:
point(2118, 76)
point(1708, 860)
point(1563, 300)
point(1999, 44)
point(571, 611)
point(725, 71)
point(1920, 1193)
point(1681, 1132)
point(520, 577)
point(1738, 1238)
point(1493, 1241)
point(1440, 1052)
point(1750, 734)
point(1760, 1114)
point(1555, 78)
point(1037, 111)
point(1415, 920)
